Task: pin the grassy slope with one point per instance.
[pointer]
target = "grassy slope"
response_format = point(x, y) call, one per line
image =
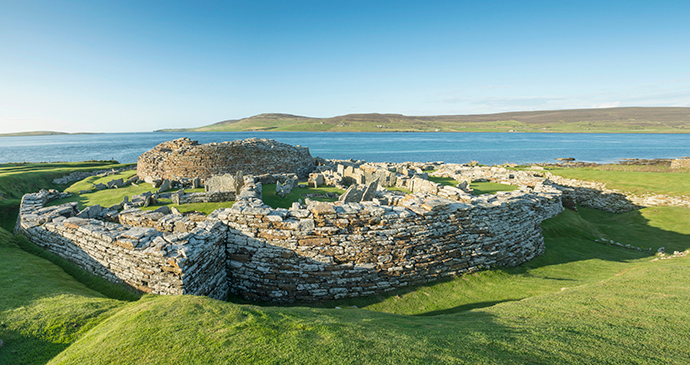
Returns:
point(626, 178)
point(42, 308)
point(611, 120)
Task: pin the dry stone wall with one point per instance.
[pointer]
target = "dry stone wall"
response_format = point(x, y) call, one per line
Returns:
point(184, 158)
point(163, 263)
point(335, 250)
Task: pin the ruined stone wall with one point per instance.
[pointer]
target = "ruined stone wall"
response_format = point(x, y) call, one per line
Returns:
point(591, 194)
point(184, 158)
point(594, 194)
point(335, 250)
point(681, 163)
point(211, 197)
point(154, 262)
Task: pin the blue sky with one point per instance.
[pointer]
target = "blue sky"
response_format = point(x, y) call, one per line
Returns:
point(116, 66)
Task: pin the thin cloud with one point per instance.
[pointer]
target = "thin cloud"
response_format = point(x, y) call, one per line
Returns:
point(607, 105)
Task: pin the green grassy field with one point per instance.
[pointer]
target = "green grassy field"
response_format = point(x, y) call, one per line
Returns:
point(634, 179)
point(478, 188)
point(580, 302)
point(270, 198)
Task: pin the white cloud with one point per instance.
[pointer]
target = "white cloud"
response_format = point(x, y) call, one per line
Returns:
point(612, 104)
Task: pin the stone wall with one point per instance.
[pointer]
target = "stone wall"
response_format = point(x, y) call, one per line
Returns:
point(81, 175)
point(151, 261)
point(335, 250)
point(590, 194)
point(184, 158)
point(681, 163)
point(180, 197)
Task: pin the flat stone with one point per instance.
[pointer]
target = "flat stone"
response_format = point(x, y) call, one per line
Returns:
point(323, 208)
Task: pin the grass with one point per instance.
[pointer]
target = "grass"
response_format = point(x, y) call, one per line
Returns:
point(395, 188)
point(270, 197)
point(19, 178)
point(631, 179)
point(42, 308)
point(110, 197)
point(490, 187)
point(205, 208)
point(580, 302)
point(478, 188)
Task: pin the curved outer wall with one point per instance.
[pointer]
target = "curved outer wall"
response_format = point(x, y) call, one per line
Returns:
point(353, 249)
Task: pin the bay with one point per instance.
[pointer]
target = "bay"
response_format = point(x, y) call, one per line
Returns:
point(487, 148)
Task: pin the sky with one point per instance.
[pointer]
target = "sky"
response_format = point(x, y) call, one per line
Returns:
point(137, 66)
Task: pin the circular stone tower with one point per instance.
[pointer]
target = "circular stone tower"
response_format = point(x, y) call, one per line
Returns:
point(184, 158)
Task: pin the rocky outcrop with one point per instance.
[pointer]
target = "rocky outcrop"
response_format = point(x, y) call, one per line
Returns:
point(184, 158)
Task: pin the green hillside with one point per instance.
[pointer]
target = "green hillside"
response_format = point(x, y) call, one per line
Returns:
point(581, 302)
point(608, 120)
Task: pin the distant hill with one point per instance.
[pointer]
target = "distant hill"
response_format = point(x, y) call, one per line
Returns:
point(32, 133)
point(37, 133)
point(608, 120)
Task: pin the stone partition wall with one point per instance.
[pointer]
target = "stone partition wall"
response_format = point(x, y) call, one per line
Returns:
point(184, 158)
point(151, 261)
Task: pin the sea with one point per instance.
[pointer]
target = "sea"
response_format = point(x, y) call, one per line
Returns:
point(486, 148)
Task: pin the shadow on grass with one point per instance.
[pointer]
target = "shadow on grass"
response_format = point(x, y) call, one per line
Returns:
point(466, 307)
point(27, 350)
point(120, 291)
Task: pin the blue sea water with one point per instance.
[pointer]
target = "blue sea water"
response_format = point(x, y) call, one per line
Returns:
point(487, 148)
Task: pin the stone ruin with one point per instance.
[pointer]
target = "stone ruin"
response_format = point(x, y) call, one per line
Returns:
point(184, 158)
point(371, 241)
